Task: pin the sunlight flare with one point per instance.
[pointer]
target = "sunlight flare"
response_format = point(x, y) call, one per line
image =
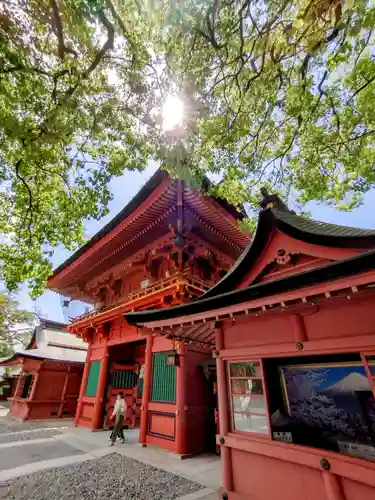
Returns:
point(172, 113)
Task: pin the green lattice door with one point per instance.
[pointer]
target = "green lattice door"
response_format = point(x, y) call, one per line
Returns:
point(163, 379)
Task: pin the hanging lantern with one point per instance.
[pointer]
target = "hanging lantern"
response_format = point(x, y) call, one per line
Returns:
point(173, 359)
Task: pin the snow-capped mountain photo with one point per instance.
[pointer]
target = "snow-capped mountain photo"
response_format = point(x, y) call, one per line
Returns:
point(336, 399)
point(354, 382)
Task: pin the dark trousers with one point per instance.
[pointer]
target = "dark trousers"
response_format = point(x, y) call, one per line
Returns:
point(117, 430)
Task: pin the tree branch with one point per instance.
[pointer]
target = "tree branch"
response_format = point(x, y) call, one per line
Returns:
point(25, 69)
point(124, 29)
point(57, 24)
point(29, 212)
point(108, 45)
point(362, 87)
point(308, 56)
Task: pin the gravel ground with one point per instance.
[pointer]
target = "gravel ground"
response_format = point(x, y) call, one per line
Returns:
point(109, 477)
point(20, 435)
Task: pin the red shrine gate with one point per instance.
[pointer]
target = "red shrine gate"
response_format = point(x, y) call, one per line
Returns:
point(169, 245)
point(293, 327)
point(122, 379)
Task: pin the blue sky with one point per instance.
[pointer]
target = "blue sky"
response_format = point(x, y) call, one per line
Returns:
point(126, 186)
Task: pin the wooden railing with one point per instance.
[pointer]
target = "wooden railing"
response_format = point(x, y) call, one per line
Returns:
point(184, 278)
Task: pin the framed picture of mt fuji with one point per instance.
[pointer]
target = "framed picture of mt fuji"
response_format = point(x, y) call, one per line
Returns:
point(335, 399)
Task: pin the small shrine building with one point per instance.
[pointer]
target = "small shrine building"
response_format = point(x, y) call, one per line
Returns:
point(8, 383)
point(291, 326)
point(50, 374)
point(169, 245)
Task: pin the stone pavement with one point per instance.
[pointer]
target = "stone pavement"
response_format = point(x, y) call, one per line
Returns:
point(25, 453)
point(3, 409)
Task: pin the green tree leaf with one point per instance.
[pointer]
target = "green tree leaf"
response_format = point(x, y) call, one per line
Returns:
point(275, 94)
point(16, 325)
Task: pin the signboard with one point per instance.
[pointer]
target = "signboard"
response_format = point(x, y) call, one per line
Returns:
point(357, 450)
point(283, 436)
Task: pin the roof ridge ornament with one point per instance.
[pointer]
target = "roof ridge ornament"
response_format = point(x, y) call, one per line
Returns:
point(273, 201)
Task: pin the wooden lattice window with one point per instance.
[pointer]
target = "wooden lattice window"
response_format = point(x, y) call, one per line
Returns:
point(247, 397)
point(123, 379)
point(163, 379)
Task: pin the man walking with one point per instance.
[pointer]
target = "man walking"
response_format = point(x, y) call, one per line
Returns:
point(119, 415)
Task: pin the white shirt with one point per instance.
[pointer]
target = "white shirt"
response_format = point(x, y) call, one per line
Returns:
point(120, 407)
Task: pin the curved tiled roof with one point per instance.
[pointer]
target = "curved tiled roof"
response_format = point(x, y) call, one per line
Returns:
point(351, 266)
point(141, 196)
point(157, 178)
point(52, 342)
point(50, 353)
point(325, 229)
point(224, 293)
point(300, 228)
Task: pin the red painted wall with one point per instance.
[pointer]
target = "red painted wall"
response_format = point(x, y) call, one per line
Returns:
point(124, 344)
point(264, 469)
point(49, 400)
point(87, 413)
point(161, 425)
point(333, 319)
point(162, 417)
point(120, 342)
point(258, 331)
point(198, 397)
point(271, 477)
point(19, 409)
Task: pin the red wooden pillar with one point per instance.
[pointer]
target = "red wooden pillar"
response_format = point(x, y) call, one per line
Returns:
point(226, 459)
point(19, 381)
point(63, 394)
point(181, 403)
point(33, 390)
point(35, 383)
point(147, 379)
point(14, 382)
point(82, 389)
point(332, 486)
point(298, 326)
point(99, 398)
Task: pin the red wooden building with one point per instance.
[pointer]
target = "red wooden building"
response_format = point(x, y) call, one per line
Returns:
point(50, 374)
point(8, 384)
point(293, 333)
point(169, 245)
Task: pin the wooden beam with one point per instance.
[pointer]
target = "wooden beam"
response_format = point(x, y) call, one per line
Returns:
point(221, 256)
point(293, 295)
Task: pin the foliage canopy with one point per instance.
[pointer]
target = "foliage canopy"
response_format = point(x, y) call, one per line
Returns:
point(276, 93)
point(16, 325)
